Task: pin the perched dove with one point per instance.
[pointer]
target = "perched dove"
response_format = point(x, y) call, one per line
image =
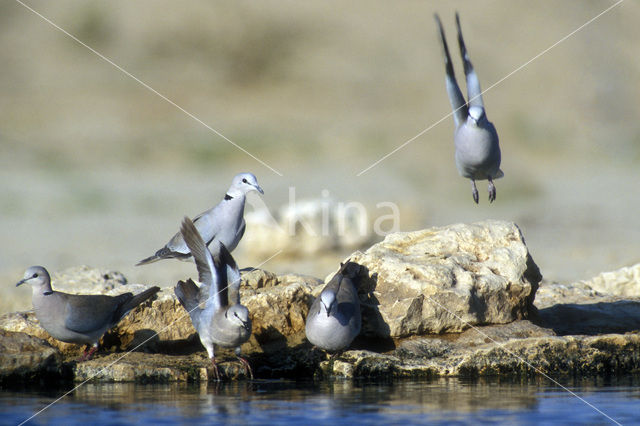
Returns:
point(334, 318)
point(214, 307)
point(78, 318)
point(224, 222)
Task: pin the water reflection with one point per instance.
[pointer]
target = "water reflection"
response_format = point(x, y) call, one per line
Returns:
point(300, 401)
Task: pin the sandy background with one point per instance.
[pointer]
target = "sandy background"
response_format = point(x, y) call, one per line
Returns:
point(95, 169)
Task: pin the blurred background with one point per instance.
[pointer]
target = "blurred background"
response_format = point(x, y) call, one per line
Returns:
point(97, 170)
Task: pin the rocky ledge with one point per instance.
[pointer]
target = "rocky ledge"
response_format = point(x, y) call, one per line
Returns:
point(460, 300)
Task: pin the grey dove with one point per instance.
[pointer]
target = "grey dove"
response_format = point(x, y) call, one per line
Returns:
point(334, 318)
point(78, 318)
point(224, 222)
point(214, 307)
point(477, 151)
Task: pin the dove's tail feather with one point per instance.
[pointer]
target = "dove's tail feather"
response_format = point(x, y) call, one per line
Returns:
point(350, 269)
point(458, 103)
point(148, 260)
point(165, 253)
point(134, 301)
point(474, 93)
point(187, 293)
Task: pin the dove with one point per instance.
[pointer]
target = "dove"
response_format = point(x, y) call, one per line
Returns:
point(334, 318)
point(78, 318)
point(224, 222)
point(214, 307)
point(477, 149)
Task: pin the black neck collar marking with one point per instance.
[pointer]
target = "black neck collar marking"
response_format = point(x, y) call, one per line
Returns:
point(228, 197)
point(47, 293)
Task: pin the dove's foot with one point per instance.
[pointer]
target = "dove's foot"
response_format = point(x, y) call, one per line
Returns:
point(214, 369)
point(86, 355)
point(492, 190)
point(336, 354)
point(474, 191)
point(247, 368)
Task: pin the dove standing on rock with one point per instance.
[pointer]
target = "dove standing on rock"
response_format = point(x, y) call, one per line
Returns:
point(334, 318)
point(214, 307)
point(78, 318)
point(476, 140)
point(224, 222)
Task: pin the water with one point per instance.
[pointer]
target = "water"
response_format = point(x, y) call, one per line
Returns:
point(441, 401)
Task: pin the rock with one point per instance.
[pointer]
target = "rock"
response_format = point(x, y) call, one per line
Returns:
point(419, 288)
point(155, 326)
point(524, 329)
point(26, 322)
point(27, 359)
point(86, 280)
point(278, 313)
point(144, 368)
point(608, 354)
point(608, 303)
point(305, 227)
point(624, 282)
point(593, 318)
point(550, 294)
point(445, 279)
point(258, 278)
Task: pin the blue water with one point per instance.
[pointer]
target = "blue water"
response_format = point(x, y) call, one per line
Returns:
point(442, 401)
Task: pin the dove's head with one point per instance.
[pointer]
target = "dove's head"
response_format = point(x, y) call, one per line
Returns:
point(328, 300)
point(239, 315)
point(243, 183)
point(39, 279)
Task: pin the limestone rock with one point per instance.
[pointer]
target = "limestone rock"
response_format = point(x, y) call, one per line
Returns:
point(608, 303)
point(26, 322)
point(550, 294)
point(25, 358)
point(258, 278)
point(613, 286)
point(592, 318)
point(416, 286)
point(139, 367)
point(444, 279)
point(307, 227)
point(86, 280)
point(608, 354)
point(624, 282)
point(153, 326)
point(278, 312)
